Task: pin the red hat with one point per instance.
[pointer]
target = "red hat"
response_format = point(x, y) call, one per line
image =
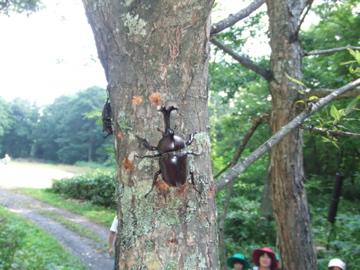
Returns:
point(260, 251)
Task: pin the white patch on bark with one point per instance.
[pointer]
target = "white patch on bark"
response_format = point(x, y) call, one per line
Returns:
point(132, 156)
point(128, 2)
point(202, 141)
point(135, 24)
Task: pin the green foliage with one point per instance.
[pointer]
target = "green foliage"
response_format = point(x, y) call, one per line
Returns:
point(341, 239)
point(69, 129)
point(24, 246)
point(4, 122)
point(232, 106)
point(4, 116)
point(21, 121)
point(335, 30)
point(11, 239)
point(354, 65)
point(245, 228)
point(327, 154)
point(97, 187)
point(18, 6)
point(237, 95)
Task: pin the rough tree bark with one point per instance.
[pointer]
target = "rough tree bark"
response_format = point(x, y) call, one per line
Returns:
point(286, 168)
point(156, 53)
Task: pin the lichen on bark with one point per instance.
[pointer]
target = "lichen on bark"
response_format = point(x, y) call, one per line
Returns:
point(135, 24)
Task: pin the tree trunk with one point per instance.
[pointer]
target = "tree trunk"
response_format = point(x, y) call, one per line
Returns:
point(266, 201)
point(287, 173)
point(156, 53)
point(90, 150)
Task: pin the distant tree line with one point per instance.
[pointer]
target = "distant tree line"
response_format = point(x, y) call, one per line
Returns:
point(67, 131)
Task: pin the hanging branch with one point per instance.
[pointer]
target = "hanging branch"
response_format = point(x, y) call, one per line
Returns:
point(332, 133)
point(324, 92)
point(332, 50)
point(295, 35)
point(231, 174)
point(255, 124)
point(243, 60)
point(234, 18)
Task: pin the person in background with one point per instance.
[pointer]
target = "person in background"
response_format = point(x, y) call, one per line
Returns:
point(336, 264)
point(265, 259)
point(238, 262)
point(5, 160)
point(112, 235)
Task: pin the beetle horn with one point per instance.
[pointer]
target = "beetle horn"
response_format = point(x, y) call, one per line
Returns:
point(166, 112)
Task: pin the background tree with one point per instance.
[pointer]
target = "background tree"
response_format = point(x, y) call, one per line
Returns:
point(4, 122)
point(286, 169)
point(67, 134)
point(67, 131)
point(17, 140)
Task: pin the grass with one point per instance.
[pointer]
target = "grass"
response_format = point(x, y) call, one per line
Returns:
point(78, 229)
point(97, 214)
point(25, 246)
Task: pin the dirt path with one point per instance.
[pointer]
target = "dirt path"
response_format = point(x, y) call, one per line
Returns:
point(91, 253)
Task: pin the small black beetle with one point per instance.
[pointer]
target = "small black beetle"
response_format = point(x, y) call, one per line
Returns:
point(172, 157)
point(106, 119)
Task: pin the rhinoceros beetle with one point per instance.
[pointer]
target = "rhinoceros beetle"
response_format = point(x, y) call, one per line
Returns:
point(171, 153)
point(106, 119)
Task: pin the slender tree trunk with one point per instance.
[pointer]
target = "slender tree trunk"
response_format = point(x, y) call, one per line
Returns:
point(156, 53)
point(287, 173)
point(90, 150)
point(266, 201)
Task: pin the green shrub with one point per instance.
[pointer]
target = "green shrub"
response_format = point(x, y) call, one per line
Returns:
point(25, 246)
point(97, 187)
point(340, 239)
point(11, 239)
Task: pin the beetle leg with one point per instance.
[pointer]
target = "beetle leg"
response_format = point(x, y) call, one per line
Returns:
point(146, 144)
point(193, 182)
point(190, 138)
point(193, 153)
point(148, 156)
point(154, 181)
point(162, 132)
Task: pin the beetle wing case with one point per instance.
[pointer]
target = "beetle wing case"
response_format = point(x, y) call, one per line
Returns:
point(173, 168)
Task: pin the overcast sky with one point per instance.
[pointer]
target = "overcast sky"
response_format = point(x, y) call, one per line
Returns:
point(48, 54)
point(52, 52)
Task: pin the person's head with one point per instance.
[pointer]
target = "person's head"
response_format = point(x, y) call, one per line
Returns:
point(336, 264)
point(238, 262)
point(238, 265)
point(265, 258)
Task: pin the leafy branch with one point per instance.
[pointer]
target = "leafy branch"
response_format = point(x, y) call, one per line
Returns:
point(232, 173)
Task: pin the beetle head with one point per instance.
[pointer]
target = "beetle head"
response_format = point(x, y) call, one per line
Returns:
point(169, 132)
